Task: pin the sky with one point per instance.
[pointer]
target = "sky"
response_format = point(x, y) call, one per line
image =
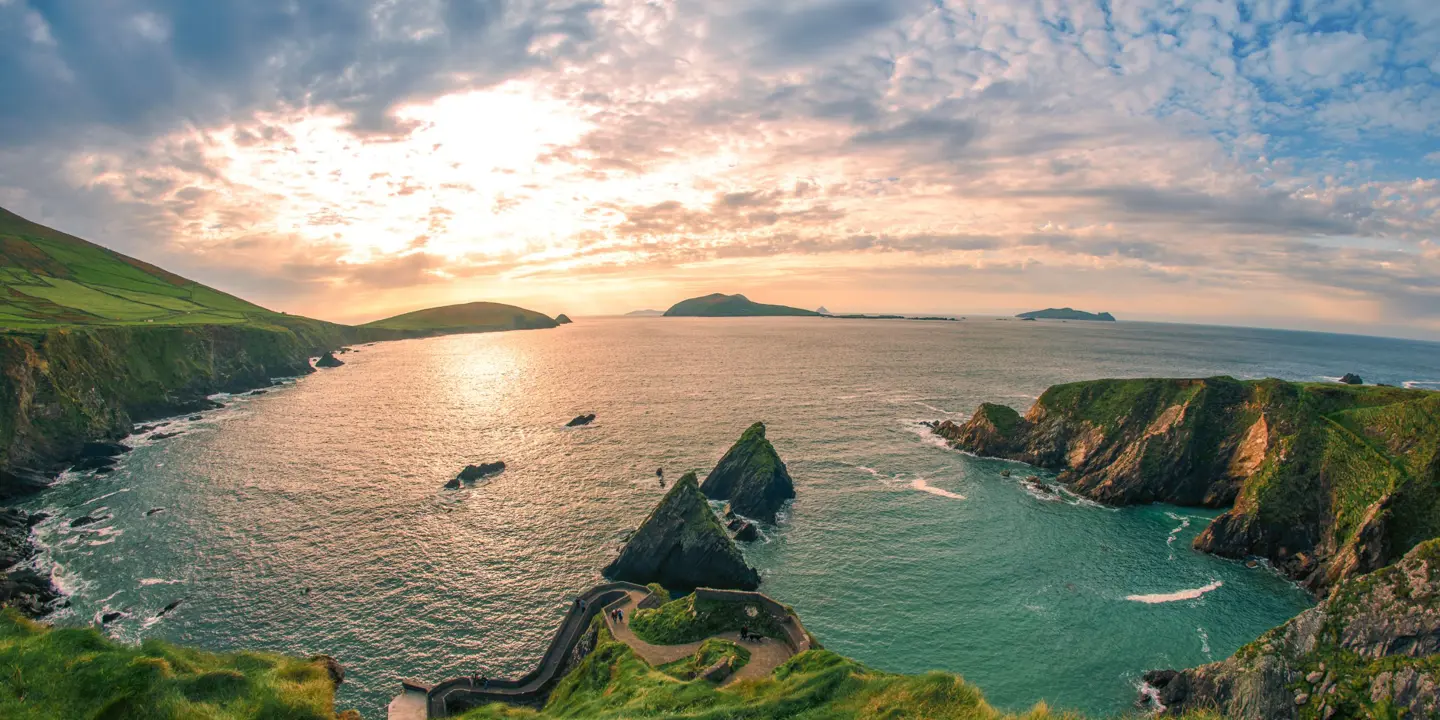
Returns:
point(1269, 163)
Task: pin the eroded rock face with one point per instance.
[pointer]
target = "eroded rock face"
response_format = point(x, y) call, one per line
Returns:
point(29, 591)
point(1352, 379)
point(751, 477)
point(1324, 480)
point(682, 545)
point(1372, 643)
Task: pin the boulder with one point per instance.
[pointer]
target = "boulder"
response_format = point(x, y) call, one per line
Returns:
point(581, 420)
point(751, 477)
point(471, 473)
point(84, 520)
point(682, 546)
point(110, 617)
point(747, 532)
point(328, 360)
point(1352, 379)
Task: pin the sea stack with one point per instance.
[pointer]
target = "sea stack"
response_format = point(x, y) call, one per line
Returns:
point(751, 477)
point(682, 545)
point(328, 360)
point(563, 319)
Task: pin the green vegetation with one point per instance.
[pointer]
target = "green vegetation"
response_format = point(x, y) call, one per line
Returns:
point(1003, 417)
point(710, 652)
point(613, 684)
point(1066, 314)
point(466, 318)
point(718, 305)
point(49, 279)
point(689, 619)
point(79, 673)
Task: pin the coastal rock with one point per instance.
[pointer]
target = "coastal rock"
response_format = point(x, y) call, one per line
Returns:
point(93, 463)
point(19, 482)
point(84, 520)
point(1380, 633)
point(103, 449)
point(166, 435)
point(563, 319)
point(581, 420)
point(1352, 379)
point(29, 591)
point(682, 545)
point(333, 668)
point(453, 483)
point(751, 477)
point(471, 473)
point(328, 360)
point(169, 608)
point(747, 532)
point(153, 511)
point(1214, 441)
point(110, 617)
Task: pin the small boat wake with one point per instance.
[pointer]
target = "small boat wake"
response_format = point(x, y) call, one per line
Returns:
point(916, 483)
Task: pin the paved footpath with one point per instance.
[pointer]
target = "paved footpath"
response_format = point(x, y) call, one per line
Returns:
point(765, 655)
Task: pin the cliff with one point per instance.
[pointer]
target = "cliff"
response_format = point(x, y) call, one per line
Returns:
point(751, 477)
point(1371, 649)
point(1327, 481)
point(682, 546)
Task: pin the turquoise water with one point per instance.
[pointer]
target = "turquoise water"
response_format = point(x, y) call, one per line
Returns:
point(311, 519)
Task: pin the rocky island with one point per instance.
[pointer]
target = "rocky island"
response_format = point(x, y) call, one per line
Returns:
point(751, 477)
point(719, 305)
point(1065, 314)
point(475, 317)
point(682, 546)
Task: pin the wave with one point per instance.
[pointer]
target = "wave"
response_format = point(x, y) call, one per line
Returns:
point(1421, 384)
point(930, 407)
point(923, 486)
point(1204, 641)
point(146, 582)
point(1175, 596)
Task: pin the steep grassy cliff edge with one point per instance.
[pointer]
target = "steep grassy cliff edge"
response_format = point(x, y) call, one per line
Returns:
point(1327, 481)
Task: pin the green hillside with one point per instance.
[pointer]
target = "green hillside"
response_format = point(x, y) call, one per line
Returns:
point(466, 318)
point(1065, 314)
point(50, 279)
point(718, 305)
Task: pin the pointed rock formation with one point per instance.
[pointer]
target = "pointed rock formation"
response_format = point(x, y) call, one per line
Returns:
point(328, 360)
point(682, 545)
point(751, 477)
point(563, 319)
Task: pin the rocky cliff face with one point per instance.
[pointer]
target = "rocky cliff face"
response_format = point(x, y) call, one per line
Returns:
point(1327, 481)
point(1369, 650)
point(682, 545)
point(751, 477)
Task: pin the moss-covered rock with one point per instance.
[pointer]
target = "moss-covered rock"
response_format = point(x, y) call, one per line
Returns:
point(1369, 650)
point(751, 477)
point(682, 545)
point(1328, 481)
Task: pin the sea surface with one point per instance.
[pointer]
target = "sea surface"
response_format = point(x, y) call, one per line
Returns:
point(311, 519)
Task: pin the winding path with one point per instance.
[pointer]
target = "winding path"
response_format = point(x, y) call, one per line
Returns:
point(420, 701)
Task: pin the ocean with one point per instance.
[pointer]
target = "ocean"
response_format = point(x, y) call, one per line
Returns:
point(312, 519)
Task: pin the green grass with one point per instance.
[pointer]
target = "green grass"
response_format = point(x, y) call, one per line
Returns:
point(710, 652)
point(79, 673)
point(689, 619)
point(613, 684)
point(1003, 417)
point(719, 305)
point(469, 317)
point(49, 279)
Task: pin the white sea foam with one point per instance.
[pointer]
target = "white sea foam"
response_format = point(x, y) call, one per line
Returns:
point(1034, 490)
point(923, 486)
point(1175, 596)
point(1184, 523)
point(106, 495)
point(146, 582)
point(1421, 384)
point(1204, 641)
point(928, 406)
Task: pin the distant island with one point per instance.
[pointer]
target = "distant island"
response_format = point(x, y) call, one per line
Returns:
point(719, 305)
point(466, 318)
point(891, 317)
point(645, 313)
point(1065, 314)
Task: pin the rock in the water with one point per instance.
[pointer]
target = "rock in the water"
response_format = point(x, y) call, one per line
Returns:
point(259, 392)
point(27, 590)
point(166, 435)
point(84, 520)
point(1352, 379)
point(563, 319)
point(93, 463)
point(194, 418)
point(169, 608)
point(1384, 625)
point(103, 449)
point(682, 545)
point(453, 484)
point(328, 360)
point(471, 473)
point(581, 420)
point(110, 617)
point(333, 668)
point(152, 511)
point(747, 532)
point(19, 482)
point(751, 477)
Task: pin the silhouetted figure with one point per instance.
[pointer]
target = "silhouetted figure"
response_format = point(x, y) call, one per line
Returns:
point(660, 473)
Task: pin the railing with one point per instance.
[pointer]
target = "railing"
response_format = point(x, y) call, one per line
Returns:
point(457, 694)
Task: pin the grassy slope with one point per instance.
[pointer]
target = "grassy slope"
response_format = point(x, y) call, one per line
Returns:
point(50, 279)
point(718, 305)
point(469, 317)
point(79, 673)
point(688, 619)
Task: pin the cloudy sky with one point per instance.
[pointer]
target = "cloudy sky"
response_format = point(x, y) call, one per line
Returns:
point(1272, 162)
